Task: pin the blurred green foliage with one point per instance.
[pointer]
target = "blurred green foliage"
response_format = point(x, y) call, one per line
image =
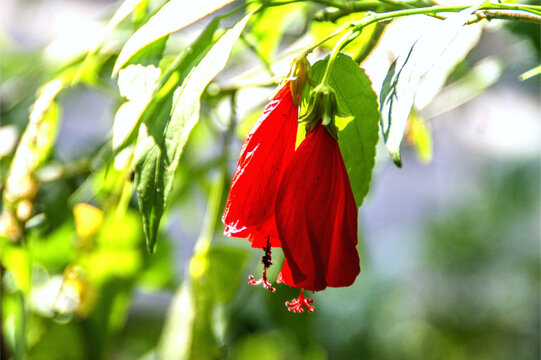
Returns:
point(77, 281)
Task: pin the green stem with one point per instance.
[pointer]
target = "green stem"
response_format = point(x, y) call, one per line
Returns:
point(334, 53)
point(530, 73)
point(337, 32)
point(371, 44)
point(506, 15)
point(373, 18)
point(354, 6)
point(379, 17)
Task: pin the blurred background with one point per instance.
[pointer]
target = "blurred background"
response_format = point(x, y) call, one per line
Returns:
point(449, 244)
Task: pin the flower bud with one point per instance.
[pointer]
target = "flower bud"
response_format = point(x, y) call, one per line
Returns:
point(322, 106)
point(296, 78)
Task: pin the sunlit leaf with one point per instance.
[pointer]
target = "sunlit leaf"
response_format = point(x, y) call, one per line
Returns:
point(360, 47)
point(156, 162)
point(419, 136)
point(14, 314)
point(358, 133)
point(267, 345)
point(40, 134)
point(268, 25)
point(121, 233)
point(88, 220)
point(177, 333)
point(404, 75)
point(152, 109)
point(481, 76)
point(54, 252)
point(433, 81)
point(151, 54)
point(17, 261)
point(172, 17)
point(136, 83)
point(33, 149)
point(106, 264)
point(149, 184)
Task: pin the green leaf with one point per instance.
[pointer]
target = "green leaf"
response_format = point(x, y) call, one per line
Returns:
point(151, 54)
point(123, 11)
point(358, 134)
point(149, 184)
point(157, 158)
point(434, 80)
point(136, 83)
point(482, 75)
point(38, 138)
point(172, 17)
point(404, 75)
point(360, 47)
point(149, 109)
point(268, 26)
point(179, 321)
point(419, 136)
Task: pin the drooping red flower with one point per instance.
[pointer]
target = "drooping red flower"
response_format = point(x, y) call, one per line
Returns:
point(298, 200)
point(316, 217)
point(265, 153)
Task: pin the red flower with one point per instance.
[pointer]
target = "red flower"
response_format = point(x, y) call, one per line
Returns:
point(265, 153)
point(298, 200)
point(316, 217)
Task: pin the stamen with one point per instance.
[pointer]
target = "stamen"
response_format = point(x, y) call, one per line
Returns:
point(296, 305)
point(266, 260)
point(267, 285)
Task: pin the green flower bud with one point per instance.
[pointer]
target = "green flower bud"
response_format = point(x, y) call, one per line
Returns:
point(322, 106)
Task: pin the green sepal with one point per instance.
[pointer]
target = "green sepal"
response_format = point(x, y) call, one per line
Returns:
point(322, 106)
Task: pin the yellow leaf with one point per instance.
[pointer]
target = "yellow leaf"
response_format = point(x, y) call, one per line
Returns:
point(88, 220)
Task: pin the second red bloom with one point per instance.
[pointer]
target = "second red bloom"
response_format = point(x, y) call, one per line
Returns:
point(316, 216)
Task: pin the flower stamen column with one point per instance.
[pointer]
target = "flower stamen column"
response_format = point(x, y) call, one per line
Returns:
point(266, 260)
point(296, 305)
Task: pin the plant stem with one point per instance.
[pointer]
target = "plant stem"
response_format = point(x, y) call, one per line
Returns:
point(373, 18)
point(506, 15)
point(374, 39)
point(334, 53)
point(527, 13)
point(522, 12)
point(337, 32)
point(530, 73)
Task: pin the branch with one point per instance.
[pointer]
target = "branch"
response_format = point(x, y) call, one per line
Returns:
point(519, 12)
point(336, 12)
point(506, 15)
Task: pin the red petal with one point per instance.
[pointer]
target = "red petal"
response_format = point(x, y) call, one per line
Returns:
point(267, 150)
point(286, 275)
point(316, 216)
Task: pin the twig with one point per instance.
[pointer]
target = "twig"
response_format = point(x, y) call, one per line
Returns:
point(506, 15)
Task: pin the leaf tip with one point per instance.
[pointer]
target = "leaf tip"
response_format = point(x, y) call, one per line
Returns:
point(396, 159)
point(151, 245)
